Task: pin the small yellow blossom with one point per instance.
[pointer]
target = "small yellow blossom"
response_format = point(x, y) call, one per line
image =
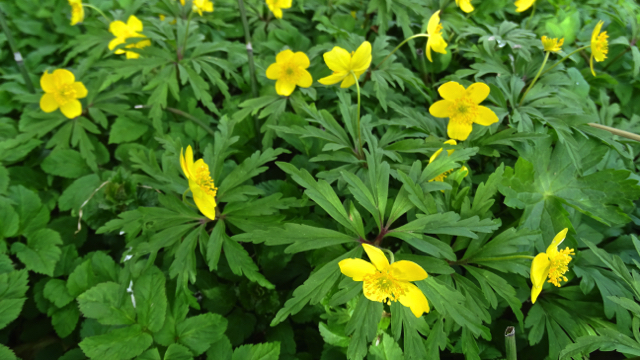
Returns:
point(200, 183)
point(384, 282)
point(344, 63)
point(552, 45)
point(462, 108)
point(436, 41)
point(523, 5)
point(276, 6)
point(61, 90)
point(599, 45)
point(289, 70)
point(200, 6)
point(551, 264)
point(444, 175)
point(124, 31)
point(465, 5)
point(77, 11)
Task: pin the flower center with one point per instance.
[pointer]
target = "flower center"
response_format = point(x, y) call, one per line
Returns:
point(291, 73)
point(464, 110)
point(76, 10)
point(383, 287)
point(203, 179)
point(559, 266)
point(64, 94)
point(601, 43)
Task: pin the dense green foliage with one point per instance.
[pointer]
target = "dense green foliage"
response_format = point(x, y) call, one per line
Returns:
point(103, 254)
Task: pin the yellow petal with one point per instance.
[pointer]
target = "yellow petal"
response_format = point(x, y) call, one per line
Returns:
point(451, 91)
point(64, 77)
point(440, 109)
point(81, 90)
point(284, 56)
point(188, 161)
point(115, 42)
point(348, 81)
point(48, 82)
point(183, 163)
point(284, 4)
point(376, 256)
point(48, 103)
point(132, 55)
point(338, 59)
point(305, 79)
point(333, 79)
point(428, 50)
point(277, 12)
point(118, 29)
point(301, 59)
point(465, 5)
point(415, 300)
point(458, 130)
point(205, 202)
point(404, 270)
point(486, 116)
point(435, 155)
point(523, 5)
point(284, 88)
point(356, 268)
point(438, 44)
point(596, 32)
point(539, 272)
point(134, 23)
point(557, 240)
point(591, 65)
point(361, 58)
point(434, 21)
point(71, 109)
point(273, 71)
point(478, 92)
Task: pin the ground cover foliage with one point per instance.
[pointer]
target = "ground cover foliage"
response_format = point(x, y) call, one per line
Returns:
point(114, 244)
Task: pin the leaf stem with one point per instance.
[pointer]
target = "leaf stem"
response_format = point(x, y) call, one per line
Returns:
point(564, 58)
point(626, 134)
point(192, 118)
point(16, 54)
point(361, 151)
point(398, 47)
point(98, 10)
point(510, 343)
point(391, 259)
point(546, 57)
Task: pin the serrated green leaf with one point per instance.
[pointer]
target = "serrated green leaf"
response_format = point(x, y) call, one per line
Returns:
point(300, 237)
point(119, 344)
point(265, 351)
point(42, 251)
point(66, 163)
point(56, 291)
point(102, 302)
point(241, 263)
point(177, 352)
point(64, 320)
point(151, 299)
point(199, 332)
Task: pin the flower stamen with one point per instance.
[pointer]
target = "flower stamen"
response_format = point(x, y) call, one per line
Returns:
point(559, 266)
point(383, 287)
point(204, 180)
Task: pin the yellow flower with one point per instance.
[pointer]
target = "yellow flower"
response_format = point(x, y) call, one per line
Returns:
point(444, 175)
point(599, 45)
point(552, 45)
point(462, 108)
point(61, 90)
point(344, 63)
point(289, 70)
point(200, 5)
point(124, 31)
point(386, 283)
point(465, 5)
point(200, 183)
point(77, 11)
point(523, 5)
point(436, 41)
point(551, 264)
point(276, 6)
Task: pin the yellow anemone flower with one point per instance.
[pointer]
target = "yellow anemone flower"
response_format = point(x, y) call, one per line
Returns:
point(551, 264)
point(200, 5)
point(552, 45)
point(436, 41)
point(462, 108)
point(444, 175)
point(523, 5)
point(599, 45)
point(124, 31)
point(61, 90)
point(344, 63)
point(384, 282)
point(289, 70)
point(200, 183)
point(276, 6)
point(465, 5)
point(77, 11)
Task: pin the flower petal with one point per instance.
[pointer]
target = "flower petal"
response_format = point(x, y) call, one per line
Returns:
point(361, 58)
point(438, 44)
point(71, 109)
point(48, 82)
point(591, 65)
point(434, 21)
point(539, 272)
point(557, 240)
point(338, 59)
point(415, 300)
point(205, 202)
point(465, 5)
point(134, 23)
point(188, 161)
point(522, 5)
point(458, 130)
point(277, 12)
point(376, 256)
point(356, 268)
point(132, 55)
point(48, 103)
point(405, 270)
point(284, 87)
point(64, 77)
point(333, 78)
point(115, 42)
point(305, 79)
point(284, 56)
point(301, 59)
point(81, 90)
point(118, 29)
point(486, 116)
point(348, 81)
point(183, 163)
point(273, 71)
point(451, 91)
point(440, 108)
point(478, 92)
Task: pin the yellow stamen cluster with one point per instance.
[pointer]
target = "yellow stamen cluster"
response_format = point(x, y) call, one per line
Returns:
point(204, 180)
point(65, 93)
point(464, 110)
point(383, 287)
point(602, 44)
point(558, 266)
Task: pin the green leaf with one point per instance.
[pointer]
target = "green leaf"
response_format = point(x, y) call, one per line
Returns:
point(33, 216)
point(56, 291)
point(387, 349)
point(151, 354)
point(199, 332)
point(300, 237)
point(249, 168)
point(177, 352)
point(64, 320)
point(151, 299)
point(126, 130)
point(4, 180)
point(334, 336)
point(362, 326)
point(6, 353)
point(119, 344)
point(265, 351)
point(42, 251)
point(184, 262)
point(214, 245)
point(608, 340)
point(78, 192)
point(66, 163)
point(449, 223)
point(9, 221)
point(241, 263)
point(404, 322)
point(220, 350)
point(102, 302)
point(13, 287)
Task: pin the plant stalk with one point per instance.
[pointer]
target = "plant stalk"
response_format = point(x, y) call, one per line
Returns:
point(546, 57)
point(98, 10)
point(626, 134)
point(360, 150)
point(564, 58)
point(192, 118)
point(16, 54)
point(252, 65)
point(398, 47)
point(510, 343)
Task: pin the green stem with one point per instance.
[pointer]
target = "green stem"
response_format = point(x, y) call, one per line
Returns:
point(564, 58)
point(546, 57)
point(16, 54)
point(398, 47)
point(615, 131)
point(391, 259)
point(252, 65)
point(184, 200)
point(192, 118)
point(510, 343)
point(533, 11)
point(360, 151)
point(98, 10)
point(501, 258)
point(186, 37)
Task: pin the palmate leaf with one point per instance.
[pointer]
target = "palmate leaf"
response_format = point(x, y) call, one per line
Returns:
point(119, 344)
point(362, 326)
point(13, 287)
point(299, 237)
point(403, 322)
